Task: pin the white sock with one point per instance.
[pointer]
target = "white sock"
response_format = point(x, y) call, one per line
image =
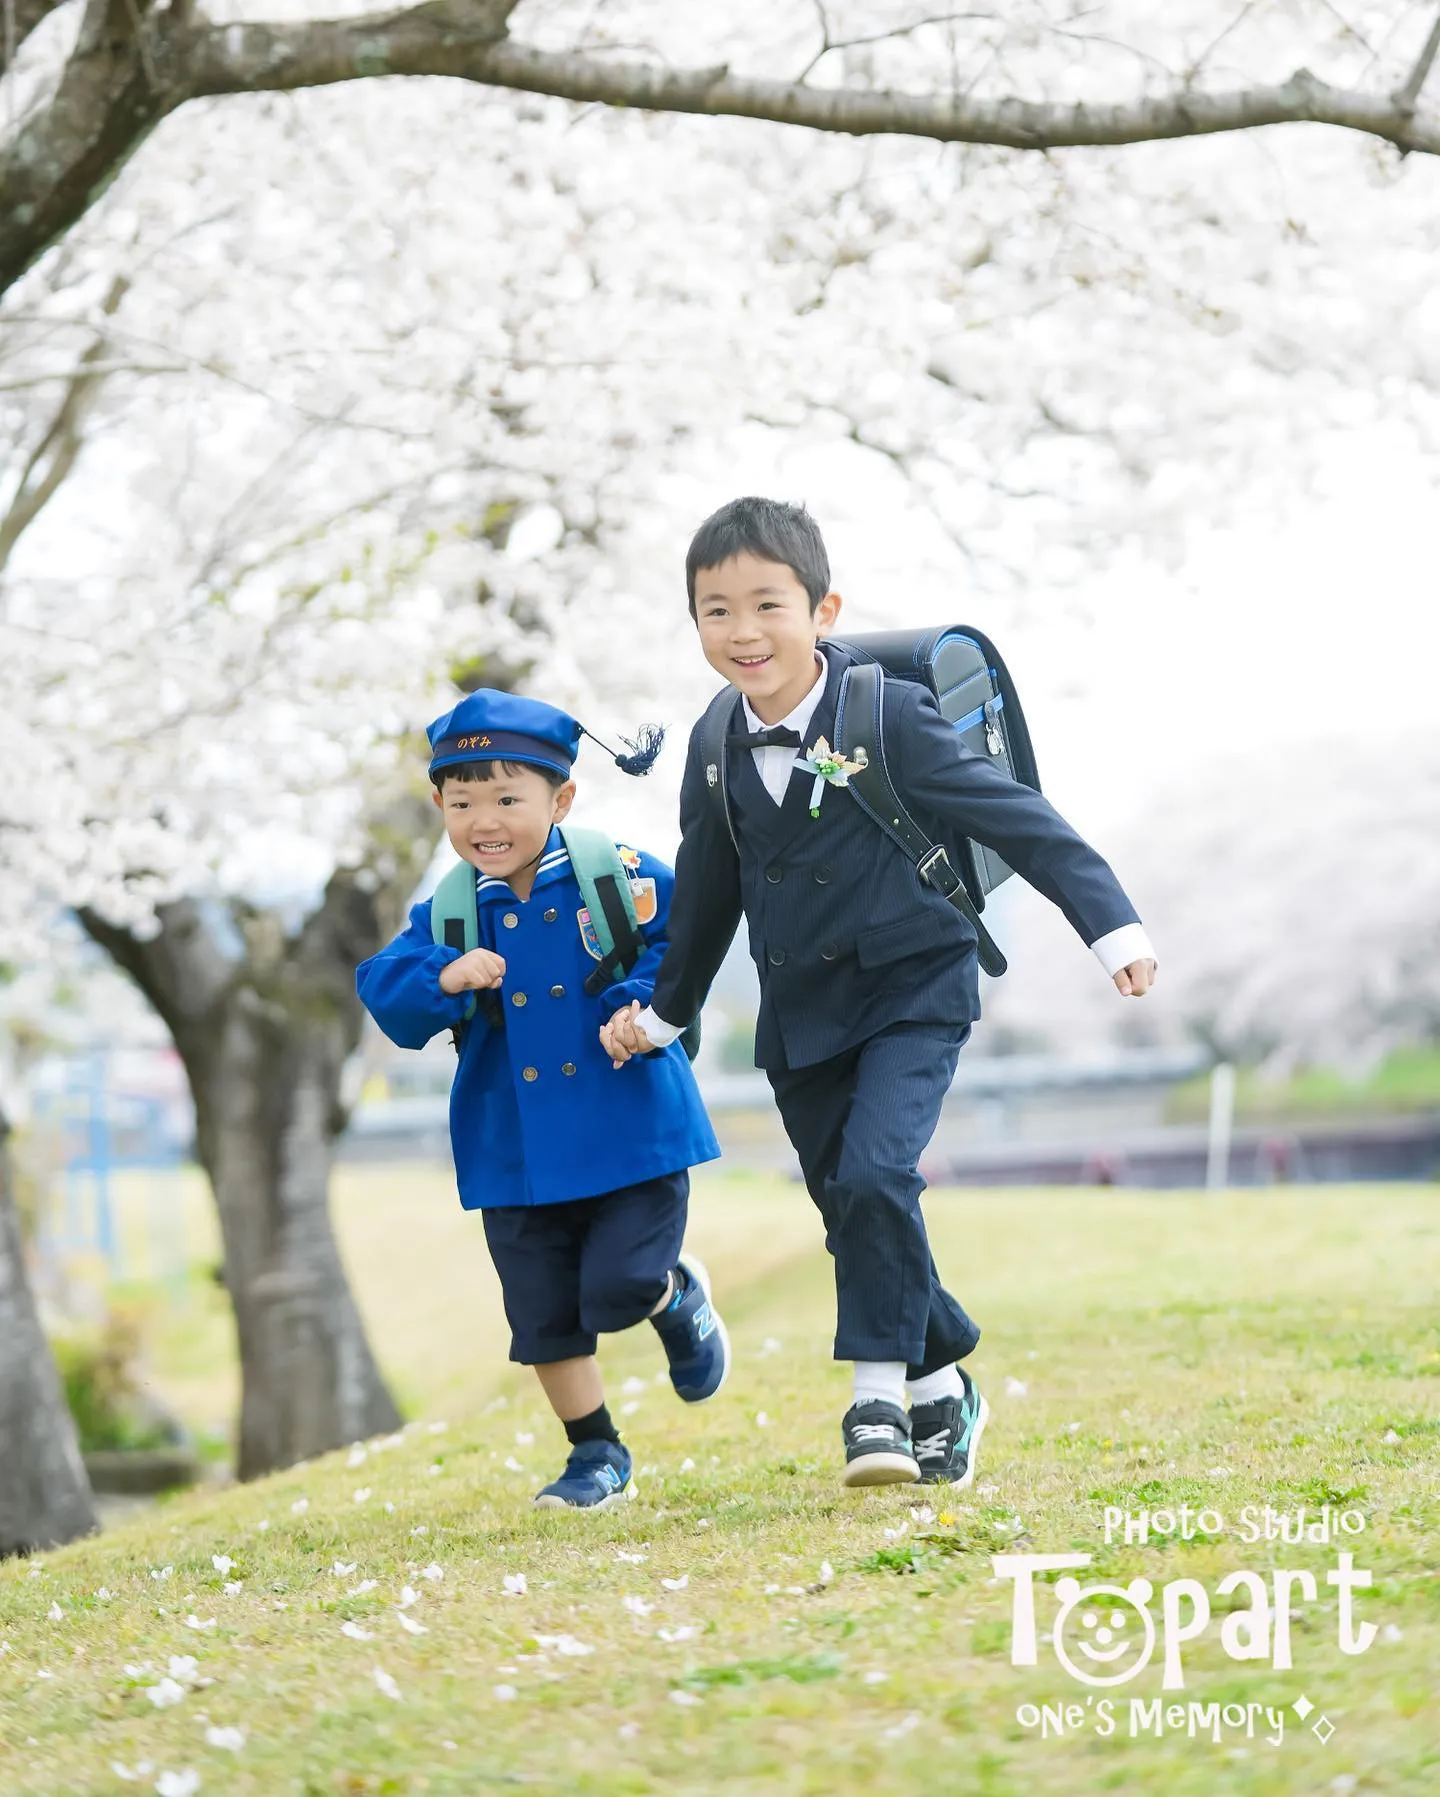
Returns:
point(947, 1383)
point(882, 1379)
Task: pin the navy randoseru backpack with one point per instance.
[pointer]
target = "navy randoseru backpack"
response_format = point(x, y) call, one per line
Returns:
point(975, 693)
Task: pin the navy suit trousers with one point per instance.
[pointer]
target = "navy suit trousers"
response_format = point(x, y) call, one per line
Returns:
point(859, 1123)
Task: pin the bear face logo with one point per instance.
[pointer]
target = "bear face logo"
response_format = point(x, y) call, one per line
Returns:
point(1111, 1633)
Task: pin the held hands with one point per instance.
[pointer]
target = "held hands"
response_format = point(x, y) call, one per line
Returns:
point(475, 972)
point(1135, 980)
point(622, 1037)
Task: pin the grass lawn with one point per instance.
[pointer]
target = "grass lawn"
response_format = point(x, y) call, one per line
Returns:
point(746, 1625)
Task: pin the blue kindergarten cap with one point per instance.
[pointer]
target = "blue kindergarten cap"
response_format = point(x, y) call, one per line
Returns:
point(493, 726)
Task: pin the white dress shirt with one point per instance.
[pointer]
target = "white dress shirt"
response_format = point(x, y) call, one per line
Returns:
point(775, 766)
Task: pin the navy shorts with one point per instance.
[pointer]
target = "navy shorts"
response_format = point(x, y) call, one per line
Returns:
point(571, 1272)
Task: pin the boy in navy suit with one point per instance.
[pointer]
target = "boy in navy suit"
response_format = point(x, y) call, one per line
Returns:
point(581, 1178)
point(868, 979)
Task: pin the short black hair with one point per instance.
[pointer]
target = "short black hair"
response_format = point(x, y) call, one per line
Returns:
point(769, 529)
point(485, 770)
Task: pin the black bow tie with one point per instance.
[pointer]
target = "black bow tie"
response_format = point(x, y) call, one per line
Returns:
point(778, 736)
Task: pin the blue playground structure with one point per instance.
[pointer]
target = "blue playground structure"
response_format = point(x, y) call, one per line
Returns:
point(89, 1131)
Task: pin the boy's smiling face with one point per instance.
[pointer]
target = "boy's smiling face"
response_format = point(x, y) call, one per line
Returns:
point(757, 630)
point(501, 825)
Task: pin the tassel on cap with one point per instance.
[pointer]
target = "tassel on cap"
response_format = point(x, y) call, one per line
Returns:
point(644, 749)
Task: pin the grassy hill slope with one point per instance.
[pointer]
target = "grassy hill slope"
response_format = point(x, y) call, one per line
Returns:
point(745, 1625)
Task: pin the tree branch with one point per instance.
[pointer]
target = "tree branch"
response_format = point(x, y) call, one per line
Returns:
point(24, 17)
point(41, 478)
point(111, 96)
point(180, 969)
point(1407, 97)
point(256, 58)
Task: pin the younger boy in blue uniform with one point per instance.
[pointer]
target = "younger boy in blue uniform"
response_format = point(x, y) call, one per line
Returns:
point(868, 979)
point(580, 1172)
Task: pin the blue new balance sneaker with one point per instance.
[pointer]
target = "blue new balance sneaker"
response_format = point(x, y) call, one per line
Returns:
point(946, 1435)
point(694, 1338)
point(596, 1477)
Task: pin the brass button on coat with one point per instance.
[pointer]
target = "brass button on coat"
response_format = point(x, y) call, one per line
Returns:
point(509, 920)
point(557, 992)
point(531, 1074)
point(517, 998)
point(568, 1069)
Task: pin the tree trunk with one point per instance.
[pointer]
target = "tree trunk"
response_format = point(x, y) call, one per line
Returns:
point(267, 1105)
point(264, 1038)
point(44, 1494)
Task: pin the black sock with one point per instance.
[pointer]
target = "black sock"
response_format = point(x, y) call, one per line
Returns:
point(595, 1427)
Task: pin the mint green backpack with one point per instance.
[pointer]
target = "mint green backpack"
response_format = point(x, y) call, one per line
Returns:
point(605, 888)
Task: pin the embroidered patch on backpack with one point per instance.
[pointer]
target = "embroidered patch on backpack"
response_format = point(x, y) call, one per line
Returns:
point(642, 895)
point(646, 902)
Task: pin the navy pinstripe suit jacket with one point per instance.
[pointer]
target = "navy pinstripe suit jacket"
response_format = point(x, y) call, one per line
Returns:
point(846, 938)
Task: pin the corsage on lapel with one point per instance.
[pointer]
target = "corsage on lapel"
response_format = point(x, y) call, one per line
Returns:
point(829, 769)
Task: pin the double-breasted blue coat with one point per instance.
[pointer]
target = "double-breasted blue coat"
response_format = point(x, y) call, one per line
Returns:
point(538, 1115)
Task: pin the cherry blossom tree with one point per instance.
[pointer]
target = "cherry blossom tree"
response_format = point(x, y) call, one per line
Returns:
point(406, 385)
point(1025, 79)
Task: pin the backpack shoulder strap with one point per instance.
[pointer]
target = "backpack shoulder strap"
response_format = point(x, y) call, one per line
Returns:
point(454, 922)
point(714, 728)
point(860, 735)
point(605, 888)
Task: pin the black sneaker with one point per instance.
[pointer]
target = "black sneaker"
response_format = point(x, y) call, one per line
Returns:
point(946, 1435)
point(877, 1445)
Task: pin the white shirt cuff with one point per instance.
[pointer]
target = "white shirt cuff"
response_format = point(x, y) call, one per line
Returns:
point(1121, 947)
point(657, 1032)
